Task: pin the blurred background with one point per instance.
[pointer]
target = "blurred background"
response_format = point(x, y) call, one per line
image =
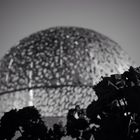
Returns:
point(117, 19)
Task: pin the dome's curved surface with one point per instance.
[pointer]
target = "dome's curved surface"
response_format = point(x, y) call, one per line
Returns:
point(61, 63)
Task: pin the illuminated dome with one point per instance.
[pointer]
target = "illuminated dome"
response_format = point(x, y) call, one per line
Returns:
point(58, 67)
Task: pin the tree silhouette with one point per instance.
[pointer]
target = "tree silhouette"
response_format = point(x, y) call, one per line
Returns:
point(117, 109)
point(9, 124)
point(27, 121)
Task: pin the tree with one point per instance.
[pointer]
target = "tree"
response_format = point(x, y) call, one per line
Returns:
point(9, 124)
point(117, 109)
point(27, 121)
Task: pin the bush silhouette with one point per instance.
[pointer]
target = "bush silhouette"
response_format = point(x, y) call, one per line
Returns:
point(27, 121)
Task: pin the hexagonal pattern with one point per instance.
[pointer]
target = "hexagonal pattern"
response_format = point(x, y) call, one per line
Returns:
point(62, 63)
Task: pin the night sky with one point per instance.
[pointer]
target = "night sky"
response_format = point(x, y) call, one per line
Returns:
point(117, 19)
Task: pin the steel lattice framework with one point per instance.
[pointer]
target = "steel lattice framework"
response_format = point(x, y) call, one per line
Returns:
point(55, 69)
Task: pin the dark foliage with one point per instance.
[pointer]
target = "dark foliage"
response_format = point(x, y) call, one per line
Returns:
point(114, 116)
point(26, 121)
point(117, 110)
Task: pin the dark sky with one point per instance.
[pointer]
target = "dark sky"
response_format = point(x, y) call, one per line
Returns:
point(117, 19)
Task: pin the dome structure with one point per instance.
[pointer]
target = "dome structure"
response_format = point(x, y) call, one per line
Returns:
point(56, 68)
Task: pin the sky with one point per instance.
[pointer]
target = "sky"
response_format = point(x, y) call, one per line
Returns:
point(117, 19)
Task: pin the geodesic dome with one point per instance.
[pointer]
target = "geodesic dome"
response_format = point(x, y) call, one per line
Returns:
point(59, 66)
